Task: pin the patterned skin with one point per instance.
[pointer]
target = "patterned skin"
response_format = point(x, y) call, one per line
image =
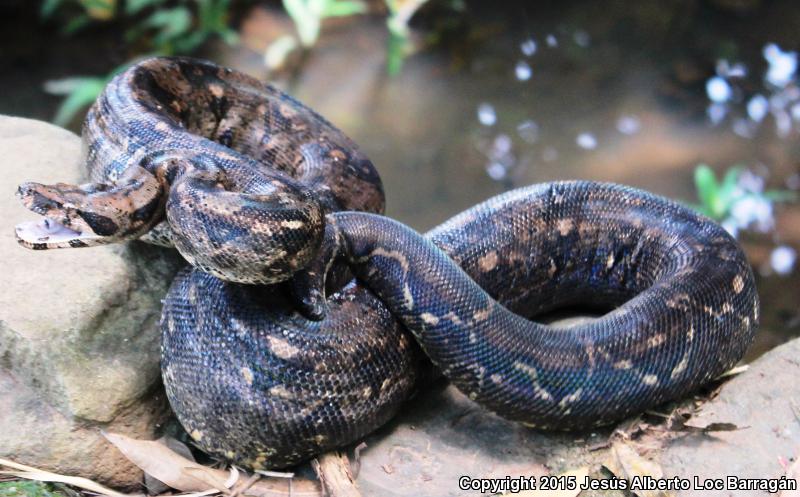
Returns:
point(253, 187)
point(235, 174)
point(276, 389)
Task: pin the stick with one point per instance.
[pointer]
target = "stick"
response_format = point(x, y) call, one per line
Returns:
point(333, 470)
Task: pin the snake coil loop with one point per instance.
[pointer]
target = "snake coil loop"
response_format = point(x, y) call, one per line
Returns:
point(253, 187)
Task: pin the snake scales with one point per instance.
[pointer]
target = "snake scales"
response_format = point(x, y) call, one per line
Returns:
point(253, 187)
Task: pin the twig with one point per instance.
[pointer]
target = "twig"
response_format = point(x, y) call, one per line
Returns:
point(333, 470)
point(240, 489)
point(356, 466)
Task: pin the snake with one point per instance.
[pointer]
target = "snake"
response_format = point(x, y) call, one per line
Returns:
point(306, 318)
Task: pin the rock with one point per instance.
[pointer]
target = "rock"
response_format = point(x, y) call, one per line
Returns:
point(763, 402)
point(79, 335)
point(441, 435)
point(47, 438)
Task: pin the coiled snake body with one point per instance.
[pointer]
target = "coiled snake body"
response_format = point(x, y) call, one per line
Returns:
point(256, 188)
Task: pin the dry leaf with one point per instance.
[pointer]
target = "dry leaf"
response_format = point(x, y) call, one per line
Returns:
point(579, 476)
point(165, 465)
point(153, 485)
point(31, 473)
point(631, 428)
point(693, 425)
point(188, 476)
point(626, 463)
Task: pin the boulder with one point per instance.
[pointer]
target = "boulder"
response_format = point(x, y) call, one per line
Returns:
point(763, 404)
point(441, 436)
point(79, 337)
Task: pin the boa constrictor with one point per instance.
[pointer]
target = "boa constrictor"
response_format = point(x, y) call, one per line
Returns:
point(252, 187)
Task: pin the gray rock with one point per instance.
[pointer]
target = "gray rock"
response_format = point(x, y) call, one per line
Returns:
point(441, 435)
point(78, 327)
point(762, 403)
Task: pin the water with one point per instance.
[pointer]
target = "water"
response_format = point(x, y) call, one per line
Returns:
point(638, 95)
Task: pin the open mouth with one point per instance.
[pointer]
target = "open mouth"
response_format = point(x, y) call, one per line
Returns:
point(59, 225)
point(47, 233)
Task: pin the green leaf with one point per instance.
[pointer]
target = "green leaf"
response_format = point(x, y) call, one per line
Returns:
point(101, 10)
point(395, 53)
point(708, 190)
point(135, 6)
point(76, 24)
point(188, 43)
point(780, 195)
point(48, 7)
point(66, 86)
point(212, 14)
point(306, 20)
point(730, 181)
point(342, 8)
point(171, 24)
point(80, 93)
point(229, 36)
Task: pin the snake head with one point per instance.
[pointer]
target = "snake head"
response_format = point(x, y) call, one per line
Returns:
point(324, 275)
point(67, 220)
point(89, 214)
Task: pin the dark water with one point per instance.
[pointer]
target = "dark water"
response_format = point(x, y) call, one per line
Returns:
point(616, 92)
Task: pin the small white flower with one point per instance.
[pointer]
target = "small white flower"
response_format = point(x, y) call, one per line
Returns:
point(501, 146)
point(718, 90)
point(757, 107)
point(528, 47)
point(753, 211)
point(486, 114)
point(523, 71)
point(750, 182)
point(782, 259)
point(496, 171)
point(729, 224)
point(586, 141)
point(629, 125)
point(782, 65)
point(716, 112)
point(795, 111)
point(728, 70)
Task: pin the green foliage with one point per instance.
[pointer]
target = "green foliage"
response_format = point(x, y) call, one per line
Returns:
point(27, 489)
point(91, 10)
point(181, 29)
point(399, 39)
point(308, 15)
point(717, 198)
point(161, 26)
point(78, 92)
